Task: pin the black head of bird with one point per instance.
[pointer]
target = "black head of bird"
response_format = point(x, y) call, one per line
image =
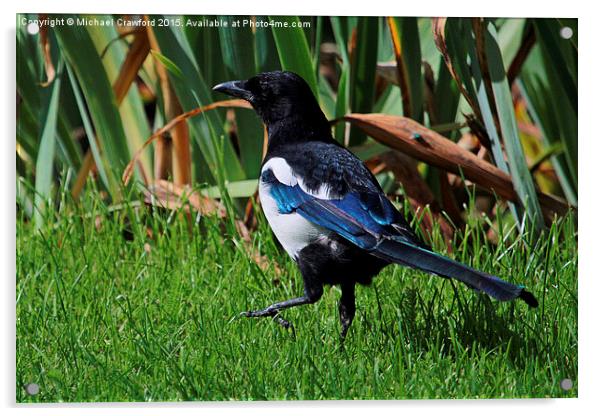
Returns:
point(279, 97)
point(328, 210)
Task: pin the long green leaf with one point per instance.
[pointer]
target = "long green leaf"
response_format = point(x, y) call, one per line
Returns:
point(407, 30)
point(551, 112)
point(45, 161)
point(327, 97)
point(447, 96)
point(341, 35)
point(131, 108)
point(237, 189)
point(556, 51)
point(100, 161)
point(521, 176)
point(266, 53)
point(168, 64)
point(363, 72)
point(83, 58)
point(472, 78)
point(510, 35)
point(238, 50)
point(206, 48)
point(317, 42)
point(293, 49)
point(560, 81)
point(193, 92)
point(342, 104)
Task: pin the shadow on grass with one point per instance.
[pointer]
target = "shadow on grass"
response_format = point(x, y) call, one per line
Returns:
point(469, 325)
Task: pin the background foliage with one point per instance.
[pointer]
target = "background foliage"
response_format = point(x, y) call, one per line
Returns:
point(501, 89)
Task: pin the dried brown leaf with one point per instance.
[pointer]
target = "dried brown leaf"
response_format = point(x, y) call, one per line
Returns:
point(45, 44)
point(180, 137)
point(162, 162)
point(405, 170)
point(527, 43)
point(172, 196)
point(82, 174)
point(134, 59)
point(413, 139)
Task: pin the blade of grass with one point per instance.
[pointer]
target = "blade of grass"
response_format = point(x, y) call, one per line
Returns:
point(526, 45)
point(327, 97)
point(447, 98)
point(167, 63)
point(341, 30)
point(207, 51)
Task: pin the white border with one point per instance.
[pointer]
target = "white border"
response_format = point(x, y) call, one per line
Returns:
point(589, 158)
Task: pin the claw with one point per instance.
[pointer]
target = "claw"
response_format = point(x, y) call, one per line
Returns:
point(264, 313)
point(283, 322)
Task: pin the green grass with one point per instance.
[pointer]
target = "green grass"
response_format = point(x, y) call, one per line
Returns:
point(99, 318)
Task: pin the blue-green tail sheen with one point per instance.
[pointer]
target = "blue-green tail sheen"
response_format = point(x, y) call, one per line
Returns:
point(406, 254)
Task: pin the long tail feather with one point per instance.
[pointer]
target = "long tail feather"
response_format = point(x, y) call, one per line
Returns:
point(406, 254)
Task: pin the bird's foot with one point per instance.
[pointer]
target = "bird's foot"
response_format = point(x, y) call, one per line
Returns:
point(269, 312)
point(343, 335)
point(284, 323)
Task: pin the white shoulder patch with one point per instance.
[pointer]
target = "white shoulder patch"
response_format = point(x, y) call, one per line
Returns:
point(281, 170)
point(322, 193)
point(285, 175)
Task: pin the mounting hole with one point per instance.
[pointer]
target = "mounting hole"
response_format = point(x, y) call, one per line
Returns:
point(32, 389)
point(566, 32)
point(33, 28)
point(566, 384)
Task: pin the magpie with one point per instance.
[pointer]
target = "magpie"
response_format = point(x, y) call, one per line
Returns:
point(327, 209)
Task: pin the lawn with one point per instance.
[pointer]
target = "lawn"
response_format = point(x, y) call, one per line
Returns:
point(139, 304)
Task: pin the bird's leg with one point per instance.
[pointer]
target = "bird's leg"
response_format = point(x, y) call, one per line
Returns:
point(313, 293)
point(276, 307)
point(346, 308)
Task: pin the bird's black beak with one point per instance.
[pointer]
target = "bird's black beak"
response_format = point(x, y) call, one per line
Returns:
point(234, 88)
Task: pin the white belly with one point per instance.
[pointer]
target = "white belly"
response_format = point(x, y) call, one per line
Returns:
point(292, 230)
